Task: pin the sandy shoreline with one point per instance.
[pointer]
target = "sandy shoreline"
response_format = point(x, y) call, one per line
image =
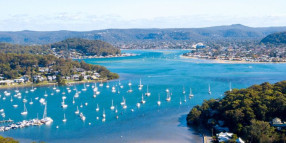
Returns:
point(230, 62)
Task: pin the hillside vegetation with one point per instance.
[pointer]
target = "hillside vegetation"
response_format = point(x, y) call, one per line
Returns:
point(276, 38)
point(86, 47)
point(246, 112)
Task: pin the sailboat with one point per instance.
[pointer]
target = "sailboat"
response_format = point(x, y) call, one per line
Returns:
point(64, 120)
point(54, 88)
point(97, 108)
point(45, 94)
point(124, 105)
point(77, 111)
point(26, 91)
point(95, 87)
point(113, 89)
point(25, 112)
point(82, 117)
point(112, 107)
point(184, 92)
point(147, 93)
point(31, 102)
point(11, 99)
point(138, 105)
point(73, 101)
point(101, 84)
point(159, 102)
point(180, 101)
point(32, 90)
point(230, 89)
point(107, 85)
point(63, 103)
point(130, 90)
point(94, 94)
point(103, 114)
point(210, 90)
point(46, 120)
point(142, 100)
point(140, 85)
point(129, 83)
point(168, 97)
point(191, 94)
point(185, 100)
point(84, 88)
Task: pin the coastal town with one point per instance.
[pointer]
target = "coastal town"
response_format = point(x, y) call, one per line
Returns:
point(241, 54)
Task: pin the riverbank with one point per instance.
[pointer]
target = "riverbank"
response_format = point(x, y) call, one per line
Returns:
point(219, 61)
point(104, 57)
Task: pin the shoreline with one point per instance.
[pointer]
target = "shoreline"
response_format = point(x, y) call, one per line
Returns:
point(98, 57)
point(218, 61)
point(49, 84)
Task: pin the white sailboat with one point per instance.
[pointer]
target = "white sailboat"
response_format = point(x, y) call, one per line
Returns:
point(129, 83)
point(73, 101)
point(32, 90)
point(45, 94)
point(159, 102)
point(113, 89)
point(168, 97)
point(101, 84)
point(107, 85)
point(25, 112)
point(210, 90)
point(230, 89)
point(64, 120)
point(112, 107)
point(97, 108)
point(147, 93)
point(142, 100)
point(54, 88)
point(63, 103)
point(103, 114)
point(77, 111)
point(180, 101)
point(82, 117)
point(138, 105)
point(46, 120)
point(140, 85)
point(130, 89)
point(84, 88)
point(31, 102)
point(184, 92)
point(185, 100)
point(191, 94)
point(95, 87)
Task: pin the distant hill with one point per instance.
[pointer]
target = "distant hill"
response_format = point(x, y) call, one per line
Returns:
point(275, 38)
point(85, 47)
point(112, 36)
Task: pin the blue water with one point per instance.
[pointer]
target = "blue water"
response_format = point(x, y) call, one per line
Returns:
point(159, 69)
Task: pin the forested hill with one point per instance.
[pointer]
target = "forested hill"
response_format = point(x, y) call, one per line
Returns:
point(81, 47)
point(112, 36)
point(276, 38)
point(246, 112)
point(86, 47)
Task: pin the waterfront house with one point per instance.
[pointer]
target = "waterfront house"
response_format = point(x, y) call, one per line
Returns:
point(224, 137)
point(19, 80)
point(6, 82)
point(277, 122)
point(75, 77)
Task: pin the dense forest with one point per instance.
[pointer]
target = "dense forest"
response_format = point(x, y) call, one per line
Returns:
point(246, 112)
point(21, 49)
point(276, 38)
point(86, 47)
point(7, 140)
point(15, 65)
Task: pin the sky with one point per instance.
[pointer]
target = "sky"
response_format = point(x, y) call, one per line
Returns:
point(85, 15)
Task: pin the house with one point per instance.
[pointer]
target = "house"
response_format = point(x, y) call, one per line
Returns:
point(75, 77)
point(49, 78)
point(38, 78)
point(25, 78)
point(6, 82)
point(276, 122)
point(224, 137)
point(19, 80)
